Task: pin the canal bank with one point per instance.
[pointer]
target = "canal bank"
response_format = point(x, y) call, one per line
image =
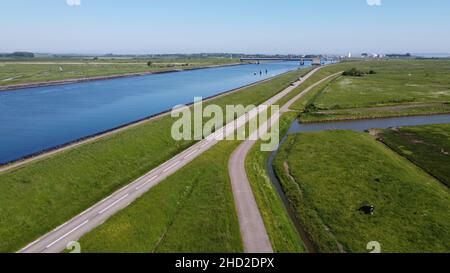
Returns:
point(44, 119)
point(17, 87)
point(73, 144)
point(356, 125)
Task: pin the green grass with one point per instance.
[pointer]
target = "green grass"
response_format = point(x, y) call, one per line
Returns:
point(426, 146)
point(191, 211)
point(377, 112)
point(44, 194)
point(30, 71)
point(301, 104)
point(413, 86)
point(396, 82)
point(329, 175)
point(281, 230)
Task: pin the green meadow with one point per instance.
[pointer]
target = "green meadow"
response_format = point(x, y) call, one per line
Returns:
point(329, 176)
point(43, 194)
point(203, 221)
point(426, 146)
point(191, 211)
point(398, 88)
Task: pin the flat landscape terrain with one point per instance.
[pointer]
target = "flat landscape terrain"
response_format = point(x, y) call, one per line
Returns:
point(191, 211)
point(196, 219)
point(426, 146)
point(329, 176)
point(396, 88)
point(44, 194)
point(18, 71)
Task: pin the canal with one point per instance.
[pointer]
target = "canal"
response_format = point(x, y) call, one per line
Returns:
point(37, 119)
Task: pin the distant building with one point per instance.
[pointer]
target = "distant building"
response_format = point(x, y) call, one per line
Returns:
point(349, 55)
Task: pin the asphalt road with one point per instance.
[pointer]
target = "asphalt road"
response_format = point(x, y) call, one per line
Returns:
point(57, 240)
point(253, 230)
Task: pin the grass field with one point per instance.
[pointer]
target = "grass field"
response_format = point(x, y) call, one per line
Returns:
point(324, 72)
point(210, 168)
point(42, 195)
point(426, 146)
point(193, 223)
point(280, 228)
point(399, 88)
point(191, 211)
point(30, 71)
point(329, 175)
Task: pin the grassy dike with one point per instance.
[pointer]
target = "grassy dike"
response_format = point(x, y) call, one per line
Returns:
point(44, 194)
point(282, 233)
point(301, 104)
point(426, 146)
point(329, 175)
point(191, 211)
point(176, 231)
point(200, 218)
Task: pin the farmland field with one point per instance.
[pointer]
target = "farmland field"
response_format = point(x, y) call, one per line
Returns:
point(280, 228)
point(426, 146)
point(397, 88)
point(191, 211)
point(329, 176)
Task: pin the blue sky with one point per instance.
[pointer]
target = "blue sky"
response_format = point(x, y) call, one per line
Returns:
point(247, 26)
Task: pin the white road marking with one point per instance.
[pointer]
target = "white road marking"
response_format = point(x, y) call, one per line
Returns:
point(204, 145)
point(86, 211)
point(171, 167)
point(113, 204)
point(242, 119)
point(191, 153)
point(67, 234)
point(150, 180)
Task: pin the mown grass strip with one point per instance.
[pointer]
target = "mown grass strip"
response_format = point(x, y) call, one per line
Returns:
point(15, 72)
point(191, 211)
point(282, 233)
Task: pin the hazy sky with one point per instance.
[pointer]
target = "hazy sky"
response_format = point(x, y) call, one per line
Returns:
point(247, 26)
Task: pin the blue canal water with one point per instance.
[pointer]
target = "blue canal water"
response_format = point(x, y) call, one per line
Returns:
point(36, 119)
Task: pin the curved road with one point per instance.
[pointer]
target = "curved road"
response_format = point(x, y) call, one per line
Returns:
point(253, 231)
point(57, 240)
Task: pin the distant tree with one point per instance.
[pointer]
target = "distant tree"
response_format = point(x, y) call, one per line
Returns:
point(354, 73)
point(21, 54)
point(95, 58)
point(149, 63)
point(372, 72)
